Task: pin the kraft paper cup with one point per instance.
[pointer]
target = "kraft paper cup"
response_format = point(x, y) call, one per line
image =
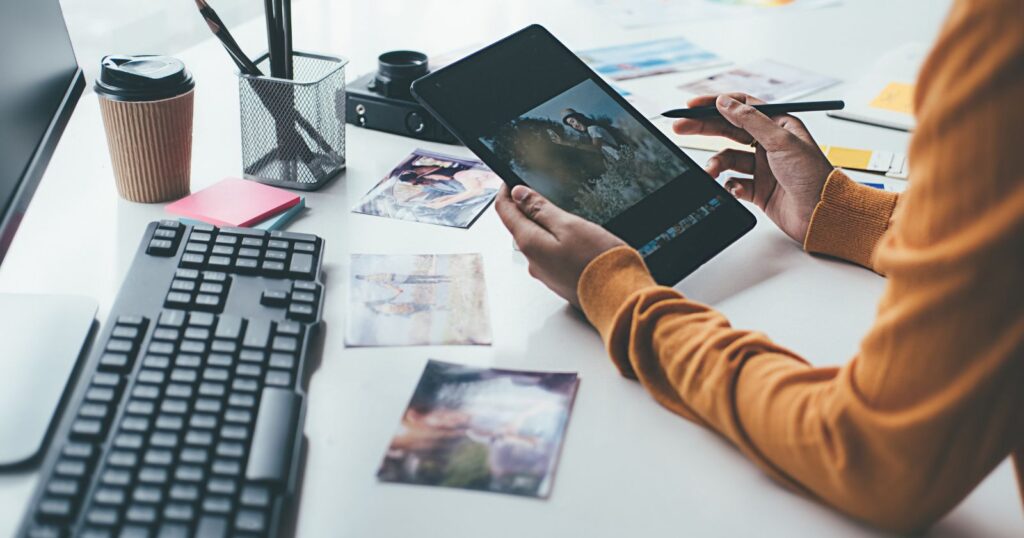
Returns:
point(150, 146)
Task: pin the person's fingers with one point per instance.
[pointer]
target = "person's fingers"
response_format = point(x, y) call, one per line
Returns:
point(540, 210)
point(742, 188)
point(525, 232)
point(712, 127)
point(795, 126)
point(708, 100)
point(730, 159)
point(768, 133)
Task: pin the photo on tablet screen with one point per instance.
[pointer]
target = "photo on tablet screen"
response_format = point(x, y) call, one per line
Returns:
point(585, 153)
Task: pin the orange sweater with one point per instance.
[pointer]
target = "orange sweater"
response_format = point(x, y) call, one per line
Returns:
point(934, 399)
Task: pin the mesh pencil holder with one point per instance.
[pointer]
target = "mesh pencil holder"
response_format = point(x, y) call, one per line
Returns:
point(293, 131)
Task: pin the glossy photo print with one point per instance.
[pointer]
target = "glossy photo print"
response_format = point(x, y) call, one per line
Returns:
point(433, 188)
point(482, 429)
point(585, 153)
point(409, 300)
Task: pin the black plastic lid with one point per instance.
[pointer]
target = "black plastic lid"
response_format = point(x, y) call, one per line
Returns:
point(142, 78)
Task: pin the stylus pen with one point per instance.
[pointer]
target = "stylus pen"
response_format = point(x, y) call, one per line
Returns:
point(710, 111)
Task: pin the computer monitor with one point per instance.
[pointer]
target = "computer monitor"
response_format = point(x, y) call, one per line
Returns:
point(42, 337)
point(39, 88)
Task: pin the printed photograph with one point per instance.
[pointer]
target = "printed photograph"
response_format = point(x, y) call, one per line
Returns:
point(767, 80)
point(482, 429)
point(585, 153)
point(413, 300)
point(635, 60)
point(433, 188)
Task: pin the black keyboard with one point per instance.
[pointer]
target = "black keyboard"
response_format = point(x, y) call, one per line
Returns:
point(187, 418)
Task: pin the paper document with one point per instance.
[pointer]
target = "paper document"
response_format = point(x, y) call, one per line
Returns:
point(622, 62)
point(767, 80)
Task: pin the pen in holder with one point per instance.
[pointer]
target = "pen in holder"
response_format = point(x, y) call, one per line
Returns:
point(293, 131)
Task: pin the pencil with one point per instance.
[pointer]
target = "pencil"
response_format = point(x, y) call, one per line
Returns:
point(216, 25)
point(711, 111)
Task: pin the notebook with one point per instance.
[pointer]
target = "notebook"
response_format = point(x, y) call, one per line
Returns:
point(234, 202)
point(275, 222)
point(884, 95)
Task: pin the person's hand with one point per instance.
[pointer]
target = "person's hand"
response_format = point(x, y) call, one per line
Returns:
point(789, 168)
point(557, 244)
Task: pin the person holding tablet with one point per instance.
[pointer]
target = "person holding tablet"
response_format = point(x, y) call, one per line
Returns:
point(933, 400)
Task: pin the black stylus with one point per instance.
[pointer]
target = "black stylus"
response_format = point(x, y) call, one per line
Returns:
point(710, 111)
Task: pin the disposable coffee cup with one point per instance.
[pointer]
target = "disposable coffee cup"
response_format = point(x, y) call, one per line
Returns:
point(146, 102)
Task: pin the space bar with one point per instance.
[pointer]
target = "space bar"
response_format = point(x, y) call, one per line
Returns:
point(272, 441)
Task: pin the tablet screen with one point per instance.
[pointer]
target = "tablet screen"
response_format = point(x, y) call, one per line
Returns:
point(536, 114)
point(585, 153)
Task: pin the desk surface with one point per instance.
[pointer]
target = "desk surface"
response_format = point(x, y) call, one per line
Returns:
point(629, 467)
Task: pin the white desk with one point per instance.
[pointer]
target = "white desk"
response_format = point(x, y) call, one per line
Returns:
point(629, 467)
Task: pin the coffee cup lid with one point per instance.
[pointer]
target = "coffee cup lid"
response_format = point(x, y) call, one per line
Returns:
point(142, 78)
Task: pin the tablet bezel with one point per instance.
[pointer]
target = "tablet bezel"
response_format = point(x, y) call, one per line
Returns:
point(679, 256)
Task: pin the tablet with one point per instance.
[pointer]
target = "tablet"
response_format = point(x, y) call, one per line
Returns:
point(537, 115)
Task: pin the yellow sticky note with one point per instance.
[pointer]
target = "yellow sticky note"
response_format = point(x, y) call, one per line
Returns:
point(897, 97)
point(857, 159)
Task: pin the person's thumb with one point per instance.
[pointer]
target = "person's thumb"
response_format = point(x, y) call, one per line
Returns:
point(539, 209)
point(765, 131)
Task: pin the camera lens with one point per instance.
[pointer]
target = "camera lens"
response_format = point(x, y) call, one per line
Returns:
point(396, 70)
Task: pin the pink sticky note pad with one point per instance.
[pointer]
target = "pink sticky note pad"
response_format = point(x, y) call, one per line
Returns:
point(234, 202)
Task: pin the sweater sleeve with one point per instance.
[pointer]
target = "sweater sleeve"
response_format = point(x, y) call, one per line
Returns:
point(931, 402)
point(849, 220)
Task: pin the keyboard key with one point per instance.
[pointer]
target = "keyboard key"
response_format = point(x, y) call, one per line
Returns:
point(293, 236)
point(257, 335)
point(153, 377)
point(285, 343)
point(223, 250)
point(54, 509)
point(195, 247)
point(146, 392)
point(302, 246)
point(109, 496)
point(222, 486)
point(255, 242)
point(272, 267)
point(163, 333)
point(276, 424)
point(128, 333)
point(86, 428)
point(70, 468)
point(306, 286)
point(301, 266)
point(116, 477)
point(120, 345)
point(252, 355)
point(215, 374)
point(178, 512)
point(230, 449)
point(158, 456)
point(94, 410)
point(278, 255)
point(114, 361)
point(133, 423)
point(212, 527)
point(208, 405)
point(234, 433)
point(274, 298)
point(278, 244)
point(160, 362)
point(197, 456)
point(249, 252)
point(227, 467)
point(229, 327)
point(173, 530)
point(244, 385)
point(255, 496)
point(188, 274)
point(140, 407)
point(213, 389)
point(189, 473)
point(177, 299)
point(250, 521)
point(219, 262)
point(238, 416)
point(133, 321)
point(79, 450)
point(282, 360)
point(161, 348)
point(175, 319)
point(165, 233)
point(246, 265)
point(102, 516)
point(148, 494)
point(224, 346)
point(178, 390)
point(303, 296)
point(222, 360)
point(160, 247)
point(205, 228)
point(184, 375)
point(139, 513)
point(174, 405)
point(131, 441)
point(301, 311)
point(169, 422)
point(203, 421)
point(215, 276)
point(200, 236)
point(64, 487)
point(100, 394)
point(156, 476)
point(241, 400)
point(223, 239)
point(201, 319)
point(184, 286)
point(164, 440)
point(184, 492)
point(191, 259)
point(122, 458)
point(188, 360)
point(289, 328)
point(249, 370)
point(279, 378)
point(199, 438)
point(216, 504)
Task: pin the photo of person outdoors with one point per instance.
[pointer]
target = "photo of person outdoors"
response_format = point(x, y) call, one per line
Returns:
point(585, 153)
point(482, 429)
point(433, 188)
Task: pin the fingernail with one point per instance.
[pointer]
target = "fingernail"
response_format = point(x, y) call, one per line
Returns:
point(519, 193)
point(726, 102)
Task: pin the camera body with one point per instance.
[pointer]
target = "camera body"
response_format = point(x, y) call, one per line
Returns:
point(382, 100)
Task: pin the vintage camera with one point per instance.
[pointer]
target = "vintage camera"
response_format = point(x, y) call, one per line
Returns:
point(382, 100)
